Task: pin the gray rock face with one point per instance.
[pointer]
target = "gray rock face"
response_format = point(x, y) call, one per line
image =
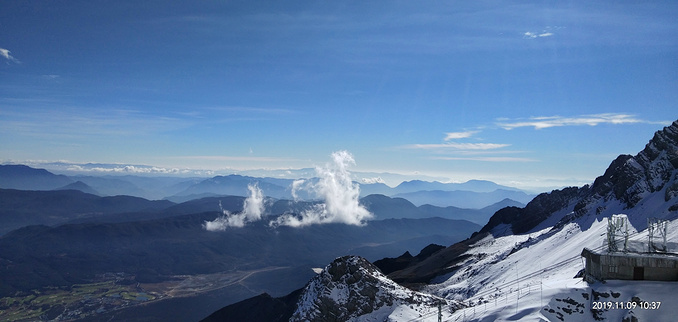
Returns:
point(630, 179)
point(351, 287)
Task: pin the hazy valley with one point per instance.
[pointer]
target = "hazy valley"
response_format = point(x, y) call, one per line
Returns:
point(59, 232)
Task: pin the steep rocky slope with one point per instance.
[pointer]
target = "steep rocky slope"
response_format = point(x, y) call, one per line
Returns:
point(628, 181)
point(351, 287)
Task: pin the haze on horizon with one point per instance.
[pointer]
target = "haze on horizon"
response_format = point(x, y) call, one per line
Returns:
point(530, 95)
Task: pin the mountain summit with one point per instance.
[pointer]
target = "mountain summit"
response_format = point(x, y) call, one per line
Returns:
point(631, 179)
point(647, 181)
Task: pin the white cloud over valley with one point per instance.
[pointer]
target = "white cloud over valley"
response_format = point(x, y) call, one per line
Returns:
point(340, 195)
point(253, 209)
point(339, 200)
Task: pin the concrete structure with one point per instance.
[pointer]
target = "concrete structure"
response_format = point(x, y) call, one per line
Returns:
point(630, 266)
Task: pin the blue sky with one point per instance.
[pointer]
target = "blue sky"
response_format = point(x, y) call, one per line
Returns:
point(526, 93)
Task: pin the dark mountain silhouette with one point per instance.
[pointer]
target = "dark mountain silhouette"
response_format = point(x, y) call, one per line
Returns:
point(536, 211)
point(388, 265)
point(232, 204)
point(26, 178)
point(153, 188)
point(19, 208)
point(80, 186)
point(386, 207)
point(186, 198)
point(491, 209)
point(275, 309)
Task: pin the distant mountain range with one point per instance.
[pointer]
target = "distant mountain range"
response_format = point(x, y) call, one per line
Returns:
point(474, 194)
point(386, 207)
point(19, 208)
point(464, 199)
point(57, 230)
point(23, 177)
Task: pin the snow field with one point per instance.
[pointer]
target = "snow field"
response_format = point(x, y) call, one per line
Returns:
point(521, 277)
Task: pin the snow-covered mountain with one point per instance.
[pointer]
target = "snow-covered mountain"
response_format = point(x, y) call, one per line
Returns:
point(352, 289)
point(526, 263)
point(523, 263)
point(644, 185)
point(536, 276)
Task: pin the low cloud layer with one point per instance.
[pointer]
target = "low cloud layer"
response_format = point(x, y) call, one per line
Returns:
point(339, 193)
point(253, 209)
point(373, 180)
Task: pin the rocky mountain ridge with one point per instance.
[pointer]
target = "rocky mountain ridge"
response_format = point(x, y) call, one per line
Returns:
point(351, 287)
point(627, 181)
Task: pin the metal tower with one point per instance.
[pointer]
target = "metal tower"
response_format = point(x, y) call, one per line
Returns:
point(617, 230)
point(656, 233)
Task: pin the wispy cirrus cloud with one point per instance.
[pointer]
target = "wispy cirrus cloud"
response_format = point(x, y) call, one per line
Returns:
point(5, 53)
point(80, 123)
point(249, 109)
point(451, 144)
point(456, 146)
point(467, 151)
point(533, 35)
point(487, 159)
point(543, 122)
point(459, 135)
point(546, 32)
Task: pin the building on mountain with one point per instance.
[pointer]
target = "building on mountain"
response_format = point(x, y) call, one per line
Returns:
point(623, 262)
point(630, 266)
